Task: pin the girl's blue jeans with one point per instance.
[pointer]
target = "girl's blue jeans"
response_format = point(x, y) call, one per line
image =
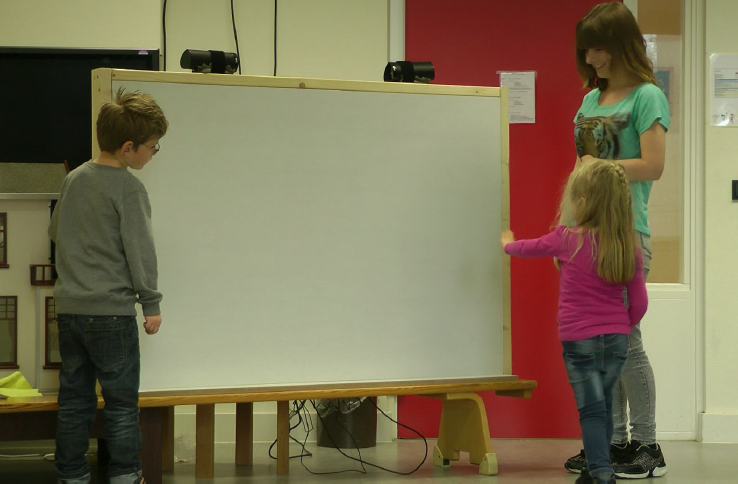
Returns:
point(594, 366)
point(103, 348)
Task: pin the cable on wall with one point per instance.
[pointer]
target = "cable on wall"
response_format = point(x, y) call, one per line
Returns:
point(235, 37)
point(164, 33)
point(275, 38)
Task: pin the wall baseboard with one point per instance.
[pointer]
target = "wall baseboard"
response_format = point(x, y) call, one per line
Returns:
point(661, 436)
point(718, 428)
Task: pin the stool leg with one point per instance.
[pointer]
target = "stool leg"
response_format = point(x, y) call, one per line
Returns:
point(464, 428)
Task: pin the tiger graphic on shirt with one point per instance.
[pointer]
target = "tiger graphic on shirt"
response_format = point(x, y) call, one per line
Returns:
point(598, 136)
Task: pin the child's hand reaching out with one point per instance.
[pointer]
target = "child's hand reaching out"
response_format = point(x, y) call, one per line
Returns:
point(506, 237)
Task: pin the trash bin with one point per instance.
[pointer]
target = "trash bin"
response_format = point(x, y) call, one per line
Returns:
point(343, 418)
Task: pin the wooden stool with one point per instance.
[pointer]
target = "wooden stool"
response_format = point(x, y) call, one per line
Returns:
point(464, 428)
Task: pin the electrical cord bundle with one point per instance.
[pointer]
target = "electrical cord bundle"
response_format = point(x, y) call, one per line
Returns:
point(299, 410)
point(297, 407)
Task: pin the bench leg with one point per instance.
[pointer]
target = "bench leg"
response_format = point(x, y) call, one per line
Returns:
point(283, 437)
point(204, 440)
point(464, 428)
point(167, 439)
point(244, 434)
point(151, 423)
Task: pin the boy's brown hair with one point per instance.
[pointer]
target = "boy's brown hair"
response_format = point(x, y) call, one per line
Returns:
point(611, 26)
point(133, 116)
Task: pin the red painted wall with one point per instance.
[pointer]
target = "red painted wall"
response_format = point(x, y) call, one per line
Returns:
point(469, 41)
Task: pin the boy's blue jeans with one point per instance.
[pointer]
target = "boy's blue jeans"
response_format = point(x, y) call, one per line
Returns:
point(594, 366)
point(103, 348)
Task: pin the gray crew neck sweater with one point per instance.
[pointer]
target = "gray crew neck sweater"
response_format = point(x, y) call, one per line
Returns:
point(105, 256)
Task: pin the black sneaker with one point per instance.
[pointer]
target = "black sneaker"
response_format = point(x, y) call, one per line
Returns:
point(621, 453)
point(585, 478)
point(618, 453)
point(576, 463)
point(646, 461)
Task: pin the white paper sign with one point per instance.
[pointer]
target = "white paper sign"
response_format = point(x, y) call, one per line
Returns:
point(521, 95)
point(723, 90)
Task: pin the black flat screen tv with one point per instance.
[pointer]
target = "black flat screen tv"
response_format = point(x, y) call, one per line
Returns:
point(45, 100)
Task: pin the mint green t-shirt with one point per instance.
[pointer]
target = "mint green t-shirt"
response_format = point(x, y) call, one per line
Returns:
point(613, 133)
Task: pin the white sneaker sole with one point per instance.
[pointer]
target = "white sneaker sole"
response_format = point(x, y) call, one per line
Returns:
point(659, 471)
point(631, 476)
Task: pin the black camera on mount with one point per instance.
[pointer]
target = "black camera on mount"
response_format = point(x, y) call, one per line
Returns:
point(406, 71)
point(209, 61)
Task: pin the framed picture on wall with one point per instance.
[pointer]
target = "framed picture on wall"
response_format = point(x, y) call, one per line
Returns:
point(669, 85)
point(663, 80)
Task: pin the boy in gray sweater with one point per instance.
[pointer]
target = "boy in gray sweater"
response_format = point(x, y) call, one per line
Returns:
point(106, 263)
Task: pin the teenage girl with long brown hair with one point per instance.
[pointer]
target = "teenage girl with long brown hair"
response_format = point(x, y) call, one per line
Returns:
point(624, 118)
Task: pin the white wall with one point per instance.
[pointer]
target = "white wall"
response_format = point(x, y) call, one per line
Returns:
point(315, 38)
point(81, 23)
point(719, 422)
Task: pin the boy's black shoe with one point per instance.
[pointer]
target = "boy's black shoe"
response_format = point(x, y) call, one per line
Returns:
point(585, 478)
point(645, 461)
point(618, 453)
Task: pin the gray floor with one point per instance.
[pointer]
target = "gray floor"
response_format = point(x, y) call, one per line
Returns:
point(520, 461)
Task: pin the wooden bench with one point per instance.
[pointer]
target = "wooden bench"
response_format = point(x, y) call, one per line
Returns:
point(463, 426)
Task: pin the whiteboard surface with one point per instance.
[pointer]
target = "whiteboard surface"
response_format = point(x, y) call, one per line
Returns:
point(322, 236)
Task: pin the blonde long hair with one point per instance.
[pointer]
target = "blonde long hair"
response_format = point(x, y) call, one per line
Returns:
point(597, 199)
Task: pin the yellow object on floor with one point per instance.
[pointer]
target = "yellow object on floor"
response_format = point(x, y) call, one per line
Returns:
point(16, 385)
